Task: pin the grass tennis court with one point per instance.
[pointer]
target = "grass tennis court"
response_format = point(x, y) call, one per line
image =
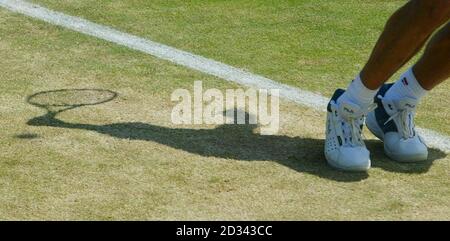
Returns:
point(124, 159)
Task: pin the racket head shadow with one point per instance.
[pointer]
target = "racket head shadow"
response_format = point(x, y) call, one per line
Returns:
point(57, 101)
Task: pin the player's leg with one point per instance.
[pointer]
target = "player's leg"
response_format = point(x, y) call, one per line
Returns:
point(404, 34)
point(393, 120)
point(434, 66)
point(431, 69)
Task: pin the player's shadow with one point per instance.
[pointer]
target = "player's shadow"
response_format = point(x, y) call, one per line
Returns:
point(241, 142)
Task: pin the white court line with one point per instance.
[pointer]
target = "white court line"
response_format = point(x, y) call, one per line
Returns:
point(190, 60)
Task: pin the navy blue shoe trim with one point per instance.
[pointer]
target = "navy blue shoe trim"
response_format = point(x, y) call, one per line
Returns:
point(334, 98)
point(380, 112)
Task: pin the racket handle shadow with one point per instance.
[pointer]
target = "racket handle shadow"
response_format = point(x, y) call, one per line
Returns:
point(49, 119)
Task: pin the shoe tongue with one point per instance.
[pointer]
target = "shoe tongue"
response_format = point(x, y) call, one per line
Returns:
point(394, 105)
point(350, 111)
point(406, 103)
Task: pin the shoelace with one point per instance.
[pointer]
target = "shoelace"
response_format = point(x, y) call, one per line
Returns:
point(352, 134)
point(352, 131)
point(405, 119)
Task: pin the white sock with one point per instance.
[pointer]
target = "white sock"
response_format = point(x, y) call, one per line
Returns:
point(406, 86)
point(358, 93)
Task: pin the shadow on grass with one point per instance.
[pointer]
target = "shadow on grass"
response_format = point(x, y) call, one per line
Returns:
point(239, 142)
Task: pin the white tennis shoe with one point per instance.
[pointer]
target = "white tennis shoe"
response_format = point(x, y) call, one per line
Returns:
point(393, 123)
point(344, 145)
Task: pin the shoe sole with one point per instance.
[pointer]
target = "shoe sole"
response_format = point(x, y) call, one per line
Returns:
point(348, 169)
point(376, 130)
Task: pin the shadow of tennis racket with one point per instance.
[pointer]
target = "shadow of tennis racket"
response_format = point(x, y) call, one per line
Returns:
point(58, 101)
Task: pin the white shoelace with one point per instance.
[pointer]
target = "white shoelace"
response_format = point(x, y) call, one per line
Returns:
point(405, 122)
point(351, 129)
point(352, 133)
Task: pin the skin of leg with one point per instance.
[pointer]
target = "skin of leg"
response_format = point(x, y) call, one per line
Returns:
point(434, 66)
point(404, 35)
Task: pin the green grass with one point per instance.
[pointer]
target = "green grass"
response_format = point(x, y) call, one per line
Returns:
point(125, 160)
point(317, 45)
